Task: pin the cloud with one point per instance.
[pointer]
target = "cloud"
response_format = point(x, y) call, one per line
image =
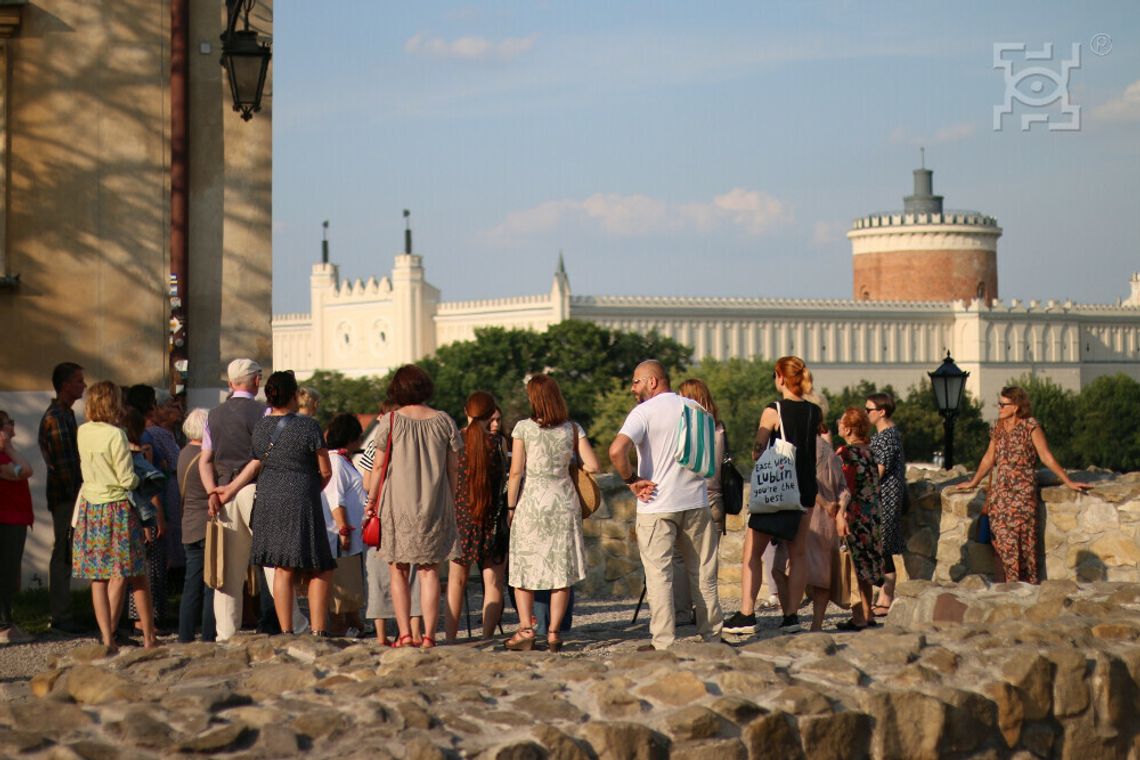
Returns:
point(949, 134)
point(825, 233)
point(751, 211)
point(1124, 108)
point(470, 48)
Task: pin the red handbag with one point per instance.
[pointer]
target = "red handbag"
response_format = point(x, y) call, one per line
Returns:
point(370, 533)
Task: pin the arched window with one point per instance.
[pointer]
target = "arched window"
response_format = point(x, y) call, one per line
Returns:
point(981, 291)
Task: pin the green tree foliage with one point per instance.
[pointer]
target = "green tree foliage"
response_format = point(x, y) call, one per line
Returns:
point(1056, 409)
point(357, 395)
point(1106, 431)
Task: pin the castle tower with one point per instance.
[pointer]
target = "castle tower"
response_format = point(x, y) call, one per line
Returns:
point(924, 253)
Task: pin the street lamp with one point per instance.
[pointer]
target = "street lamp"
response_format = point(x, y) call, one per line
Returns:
point(245, 59)
point(949, 388)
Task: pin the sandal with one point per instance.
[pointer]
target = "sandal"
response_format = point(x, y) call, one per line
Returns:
point(885, 609)
point(520, 642)
point(427, 642)
point(403, 641)
point(554, 642)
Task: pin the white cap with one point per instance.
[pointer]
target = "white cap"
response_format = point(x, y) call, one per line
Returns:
point(240, 369)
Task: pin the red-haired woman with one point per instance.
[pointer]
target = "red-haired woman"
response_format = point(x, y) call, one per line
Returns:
point(858, 521)
point(797, 421)
point(1016, 442)
point(547, 549)
point(479, 506)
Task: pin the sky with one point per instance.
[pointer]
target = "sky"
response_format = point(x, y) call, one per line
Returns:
point(680, 148)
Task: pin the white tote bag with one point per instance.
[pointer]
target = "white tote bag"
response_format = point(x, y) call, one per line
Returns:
point(696, 440)
point(775, 486)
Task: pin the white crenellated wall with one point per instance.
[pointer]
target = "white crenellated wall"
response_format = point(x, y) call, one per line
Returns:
point(365, 328)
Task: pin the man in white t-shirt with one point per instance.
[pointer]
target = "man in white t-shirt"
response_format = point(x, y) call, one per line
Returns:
point(672, 507)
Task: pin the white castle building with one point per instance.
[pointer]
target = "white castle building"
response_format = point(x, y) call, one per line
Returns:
point(898, 327)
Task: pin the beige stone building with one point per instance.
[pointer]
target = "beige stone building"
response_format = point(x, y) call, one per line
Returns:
point(99, 194)
point(925, 281)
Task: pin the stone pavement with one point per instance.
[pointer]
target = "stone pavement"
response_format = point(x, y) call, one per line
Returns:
point(1049, 672)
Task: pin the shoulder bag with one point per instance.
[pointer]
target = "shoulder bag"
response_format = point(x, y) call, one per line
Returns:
point(775, 487)
point(696, 440)
point(370, 533)
point(731, 482)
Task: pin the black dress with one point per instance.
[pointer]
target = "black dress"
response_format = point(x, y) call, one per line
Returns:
point(801, 421)
point(288, 521)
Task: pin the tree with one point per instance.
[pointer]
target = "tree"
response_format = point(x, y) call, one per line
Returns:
point(1106, 431)
point(356, 395)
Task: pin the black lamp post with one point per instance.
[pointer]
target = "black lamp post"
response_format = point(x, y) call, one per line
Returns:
point(949, 388)
point(245, 59)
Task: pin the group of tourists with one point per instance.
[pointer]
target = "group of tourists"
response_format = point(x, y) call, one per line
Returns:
point(291, 507)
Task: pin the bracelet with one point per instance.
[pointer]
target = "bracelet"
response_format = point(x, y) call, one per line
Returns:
point(631, 479)
point(347, 530)
point(510, 509)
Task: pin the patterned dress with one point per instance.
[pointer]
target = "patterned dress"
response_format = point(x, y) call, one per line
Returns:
point(865, 541)
point(547, 548)
point(1011, 499)
point(887, 448)
point(288, 520)
point(476, 542)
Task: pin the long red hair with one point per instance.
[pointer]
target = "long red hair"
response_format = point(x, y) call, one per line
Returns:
point(479, 407)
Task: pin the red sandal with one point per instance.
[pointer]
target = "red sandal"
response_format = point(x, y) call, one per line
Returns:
point(403, 641)
point(427, 643)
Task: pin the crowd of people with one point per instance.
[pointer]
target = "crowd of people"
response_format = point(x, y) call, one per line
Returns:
point(134, 491)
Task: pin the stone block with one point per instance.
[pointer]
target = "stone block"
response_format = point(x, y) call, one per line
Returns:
point(1097, 517)
point(773, 735)
point(625, 740)
point(907, 724)
point(1063, 516)
point(1070, 682)
point(980, 559)
point(842, 736)
point(922, 543)
point(948, 609)
point(1116, 550)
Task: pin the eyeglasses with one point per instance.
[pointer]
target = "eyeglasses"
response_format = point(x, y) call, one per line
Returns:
point(870, 409)
point(1006, 403)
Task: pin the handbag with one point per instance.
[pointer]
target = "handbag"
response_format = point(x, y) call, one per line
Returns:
point(214, 564)
point(589, 495)
point(775, 487)
point(983, 534)
point(731, 483)
point(696, 440)
point(842, 571)
point(370, 532)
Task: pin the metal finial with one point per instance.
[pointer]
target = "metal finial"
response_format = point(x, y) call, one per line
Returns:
point(922, 158)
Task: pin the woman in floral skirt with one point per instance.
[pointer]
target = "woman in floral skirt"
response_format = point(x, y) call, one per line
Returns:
point(108, 545)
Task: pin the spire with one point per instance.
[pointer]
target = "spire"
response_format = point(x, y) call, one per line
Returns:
point(407, 232)
point(561, 264)
point(325, 242)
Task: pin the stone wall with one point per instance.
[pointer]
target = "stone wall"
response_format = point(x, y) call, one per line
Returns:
point(1086, 537)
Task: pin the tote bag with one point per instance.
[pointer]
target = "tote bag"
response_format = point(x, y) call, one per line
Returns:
point(696, 441)
point(775, 487)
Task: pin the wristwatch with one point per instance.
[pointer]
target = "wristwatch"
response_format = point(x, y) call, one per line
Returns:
point(631, 479)
point(17, 469)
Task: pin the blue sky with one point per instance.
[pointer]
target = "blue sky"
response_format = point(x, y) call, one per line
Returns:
point(690, 148)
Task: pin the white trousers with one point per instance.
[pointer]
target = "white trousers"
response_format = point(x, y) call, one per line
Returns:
point(237, 541)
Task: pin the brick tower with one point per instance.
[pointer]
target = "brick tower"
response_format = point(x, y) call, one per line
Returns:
point(924, 253)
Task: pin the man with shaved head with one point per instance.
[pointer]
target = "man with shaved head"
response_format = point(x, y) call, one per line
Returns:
point(672, 506)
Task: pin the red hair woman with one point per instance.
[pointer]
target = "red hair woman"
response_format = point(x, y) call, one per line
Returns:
point(480, 514)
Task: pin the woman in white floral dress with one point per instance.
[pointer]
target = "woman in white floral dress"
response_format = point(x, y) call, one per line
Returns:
point(547, 550)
